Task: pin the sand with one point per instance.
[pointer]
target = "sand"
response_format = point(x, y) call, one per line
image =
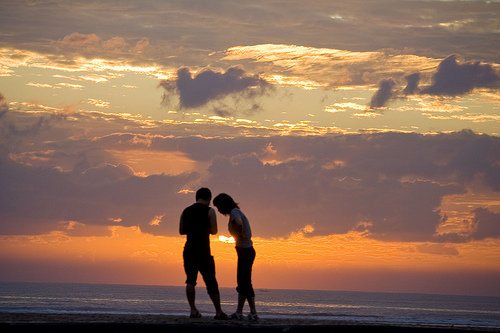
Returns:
point(18, 322)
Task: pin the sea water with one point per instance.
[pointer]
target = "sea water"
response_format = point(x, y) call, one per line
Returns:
point(477, 311)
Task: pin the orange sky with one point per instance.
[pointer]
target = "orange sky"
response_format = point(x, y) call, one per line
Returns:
point(337, 262)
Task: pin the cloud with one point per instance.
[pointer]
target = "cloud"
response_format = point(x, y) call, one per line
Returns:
point(306, 66)
point(437, 248)
point(209, 85)
point(93, 45)
point(174, 30)
point(116, 43)
point(106, 173)
point(332, 200)
point(453, 79)
point(3, 106)
point(78, 40)
point(487, 224)
point(38, 200)
point(141, 45)
point(412, 81)
point(383, 94)
point(388, 186)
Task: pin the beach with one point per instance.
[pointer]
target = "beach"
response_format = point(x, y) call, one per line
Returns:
point(57, 307)
point(17, 322)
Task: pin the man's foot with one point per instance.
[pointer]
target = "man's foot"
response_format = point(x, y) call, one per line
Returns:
point(253, 317)
point(237, 316)
point(195, 314)
point(221, 316)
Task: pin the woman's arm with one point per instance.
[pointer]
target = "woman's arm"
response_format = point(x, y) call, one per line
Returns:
point(237, 226)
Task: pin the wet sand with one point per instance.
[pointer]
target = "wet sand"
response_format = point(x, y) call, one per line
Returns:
point(17, 322)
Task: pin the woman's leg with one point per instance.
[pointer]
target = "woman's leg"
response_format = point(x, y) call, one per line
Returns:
point(251, 304)
point(251, 293)
point(246, 257)
point(239, 280)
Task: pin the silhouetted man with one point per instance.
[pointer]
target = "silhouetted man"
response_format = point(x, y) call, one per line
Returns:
point(197, 222)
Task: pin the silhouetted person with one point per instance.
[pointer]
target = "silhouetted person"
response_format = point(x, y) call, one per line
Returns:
point(197, 222)
point(239, 228)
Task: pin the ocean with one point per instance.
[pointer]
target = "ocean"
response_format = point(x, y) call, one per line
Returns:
point(475, 311)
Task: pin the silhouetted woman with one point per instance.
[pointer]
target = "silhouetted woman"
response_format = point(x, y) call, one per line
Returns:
point(239, 228)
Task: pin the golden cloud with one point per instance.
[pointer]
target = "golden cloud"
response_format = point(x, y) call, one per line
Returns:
point(310, 67)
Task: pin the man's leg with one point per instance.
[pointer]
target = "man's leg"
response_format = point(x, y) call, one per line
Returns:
point(241, 303)
point(191, 270)
point(215, 297)
point(208, 274)
point(191, 296)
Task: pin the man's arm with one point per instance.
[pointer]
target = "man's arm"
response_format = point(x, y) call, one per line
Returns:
point(182, 228)
point(213, 221)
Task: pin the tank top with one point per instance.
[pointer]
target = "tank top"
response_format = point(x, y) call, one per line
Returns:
point(197, 227)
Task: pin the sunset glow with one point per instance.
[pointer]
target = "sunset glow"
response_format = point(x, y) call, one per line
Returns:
point(225, 239)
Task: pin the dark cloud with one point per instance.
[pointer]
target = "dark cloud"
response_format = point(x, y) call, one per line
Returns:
point(487, 224)
point(383, 94)
point(298, 193)
point(106, 173)
point(3, 106)
point(388, 185)
point(453, 79)
point(209, 85)
point(412, 81)
point(36, 200)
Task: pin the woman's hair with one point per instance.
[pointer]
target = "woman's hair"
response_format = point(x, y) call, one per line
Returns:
point(225, 203)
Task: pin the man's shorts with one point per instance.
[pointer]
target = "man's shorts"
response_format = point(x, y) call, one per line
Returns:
point(203, 264)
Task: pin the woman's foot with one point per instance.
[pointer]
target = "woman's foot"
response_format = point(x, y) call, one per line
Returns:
point(237, 316)
point(195, 314)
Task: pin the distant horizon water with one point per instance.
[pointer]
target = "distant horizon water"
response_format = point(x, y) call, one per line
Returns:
point(354, 306)
point(201, 286)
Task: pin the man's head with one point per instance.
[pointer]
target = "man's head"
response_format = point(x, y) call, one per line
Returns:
point(204, 194)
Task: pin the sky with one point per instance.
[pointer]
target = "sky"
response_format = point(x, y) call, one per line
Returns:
point(360, 138)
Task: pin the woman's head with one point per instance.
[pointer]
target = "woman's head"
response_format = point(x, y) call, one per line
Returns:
point(224, 203)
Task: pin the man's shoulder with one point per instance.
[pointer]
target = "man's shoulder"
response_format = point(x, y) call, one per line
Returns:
point(196, 207)
point(188, 208)
point(193, 206)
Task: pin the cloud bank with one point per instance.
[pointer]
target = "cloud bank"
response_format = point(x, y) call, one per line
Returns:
point(349, 26)
point(387, 185)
